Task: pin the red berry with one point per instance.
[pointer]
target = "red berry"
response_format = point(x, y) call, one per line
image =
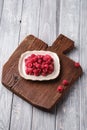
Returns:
point(43, 74)
point(29, 65)
point(60, 88)
point(49, 72)
point(46, 66)
point(33, 55)
point(39, 56)
point(30, 60)
point(77, 64)
point(40, 61)
point(51, 67)
point(26, 60)
point(45, 70)
point(65, 82)
point(29, 71)
point(38, 66)
point(35, 59)
point(36, 72)
point(48, 61)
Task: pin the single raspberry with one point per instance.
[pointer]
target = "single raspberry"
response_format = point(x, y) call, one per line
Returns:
point(51, 67)
point(46, 66)
point(26, 60)
point(60, 88)
point(65, 82)
point(40, 61)
point(39, 56)
point(36, 72)
point(77, 64)
point(43, 74)
point(49, 72)
point(28, 64)
point(29, 71)
point(30, 60)
point(45, 58)
point(38, 66)
point(35, 59)
point(33, 55)
point(45, 70)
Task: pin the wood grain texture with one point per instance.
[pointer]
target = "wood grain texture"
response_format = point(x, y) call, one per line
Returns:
point(1, 8)
point(41, 94)
point(9, 28)
point(83, 53)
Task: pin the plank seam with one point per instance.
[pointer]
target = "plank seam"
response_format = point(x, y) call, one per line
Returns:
point(57, 31)
point(2, 11)
point(39, 17)
point(20, 22)
point(38, 36)
point(11, 111)
point(79, 35)
point(57, 14)
point(18, 44)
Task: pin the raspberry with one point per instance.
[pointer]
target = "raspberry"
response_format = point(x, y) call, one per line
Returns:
point(45, 58)
point(51, 67)
point(38, 66)
point(40, 61)
point(60, 88)
point(36, 72)
point(35, 59)
point(46, 66)
point(49, 72)
point(33, 55)
point(43, 74)
point(77, 64)
point(26, 60)
point(39, 56)
point(29, 71)
point(29, 64)
point(65, 82)
point(30, 60)
point(45, 70)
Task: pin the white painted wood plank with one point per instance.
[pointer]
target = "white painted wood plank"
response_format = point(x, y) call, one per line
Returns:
point(83, 55)
point(22, 111)
point(47, 27)
point(47, 32)
point(68, 111)
point(1, 8)
point(9, 32)
point(30, 18)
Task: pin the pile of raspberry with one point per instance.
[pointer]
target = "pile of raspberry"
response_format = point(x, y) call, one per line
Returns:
point(39, 65)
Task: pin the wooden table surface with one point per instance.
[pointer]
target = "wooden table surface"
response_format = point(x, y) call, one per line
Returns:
point(44, 19)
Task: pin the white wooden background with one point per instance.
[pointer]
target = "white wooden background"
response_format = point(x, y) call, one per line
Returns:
point(45, 19)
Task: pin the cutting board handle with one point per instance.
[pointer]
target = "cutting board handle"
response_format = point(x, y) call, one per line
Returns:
point(63, 44)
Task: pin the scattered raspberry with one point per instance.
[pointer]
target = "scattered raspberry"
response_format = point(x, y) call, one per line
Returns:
point(77, 64)
point(65, 82)
point(39, 65)
point(60, 88)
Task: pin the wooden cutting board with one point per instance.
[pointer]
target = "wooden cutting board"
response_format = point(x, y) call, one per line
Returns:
point(42, 94)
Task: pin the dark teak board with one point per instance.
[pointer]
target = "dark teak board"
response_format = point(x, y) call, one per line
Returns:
point(42, 94)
